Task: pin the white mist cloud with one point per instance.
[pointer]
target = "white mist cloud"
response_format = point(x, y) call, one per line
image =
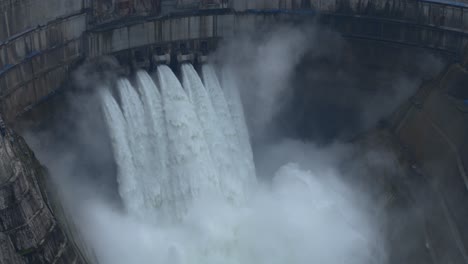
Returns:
point(298, 219)
point(304, 212)
point(327, 79)
point(263, 68)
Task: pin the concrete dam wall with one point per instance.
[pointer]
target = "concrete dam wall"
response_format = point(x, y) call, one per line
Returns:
point(37, 53)
point(42, 42)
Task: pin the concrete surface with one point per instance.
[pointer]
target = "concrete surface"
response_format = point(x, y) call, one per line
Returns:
point(41, 42)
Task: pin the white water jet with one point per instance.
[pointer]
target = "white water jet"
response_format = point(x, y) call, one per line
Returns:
point(174, 147)
point(182, 152)
point(226, 124)
point(180, 145)
point(190, 162)
point(229, 181)
point(140, 146)
point(168, 145)
point(236, 108)
point(127, 174)
point(158, 159)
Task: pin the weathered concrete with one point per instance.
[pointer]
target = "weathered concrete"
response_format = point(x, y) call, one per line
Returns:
point(35, 61)
point(108, 10)
point(18, 16)
point(41, 41)
point(29, 232)
point(434, 129)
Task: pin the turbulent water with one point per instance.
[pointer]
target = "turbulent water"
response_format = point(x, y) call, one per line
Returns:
point(176, 143)
point(187, 180)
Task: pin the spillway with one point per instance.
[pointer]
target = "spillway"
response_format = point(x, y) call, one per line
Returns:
point(175, 144)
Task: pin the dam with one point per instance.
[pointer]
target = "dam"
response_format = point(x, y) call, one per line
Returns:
point(233, 131)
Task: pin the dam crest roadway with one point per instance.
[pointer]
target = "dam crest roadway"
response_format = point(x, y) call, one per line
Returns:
point(37, 54)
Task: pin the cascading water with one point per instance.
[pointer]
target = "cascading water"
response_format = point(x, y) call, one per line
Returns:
point(224, 158)
point(237, 113)
point(139, 138)
point(226, 124)
point(153, 109)
point(183, 152)
point(127, 178)
point(175, 145)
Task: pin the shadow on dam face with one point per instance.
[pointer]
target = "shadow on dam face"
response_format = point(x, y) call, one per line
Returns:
point(340, 92)
point(345, 91)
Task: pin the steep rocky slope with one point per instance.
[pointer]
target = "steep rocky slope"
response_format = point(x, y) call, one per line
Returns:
point(29, 229)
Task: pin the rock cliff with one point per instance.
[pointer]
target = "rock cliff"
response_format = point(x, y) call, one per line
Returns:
point(30, 232)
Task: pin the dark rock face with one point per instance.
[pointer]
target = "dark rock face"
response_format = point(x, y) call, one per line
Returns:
point(29, 230)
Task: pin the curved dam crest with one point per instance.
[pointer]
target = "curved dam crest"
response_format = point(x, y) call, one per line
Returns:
point(36, 61)
point(188, 182)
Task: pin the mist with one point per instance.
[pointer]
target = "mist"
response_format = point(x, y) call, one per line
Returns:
point(308, 82)
point(303, 103)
